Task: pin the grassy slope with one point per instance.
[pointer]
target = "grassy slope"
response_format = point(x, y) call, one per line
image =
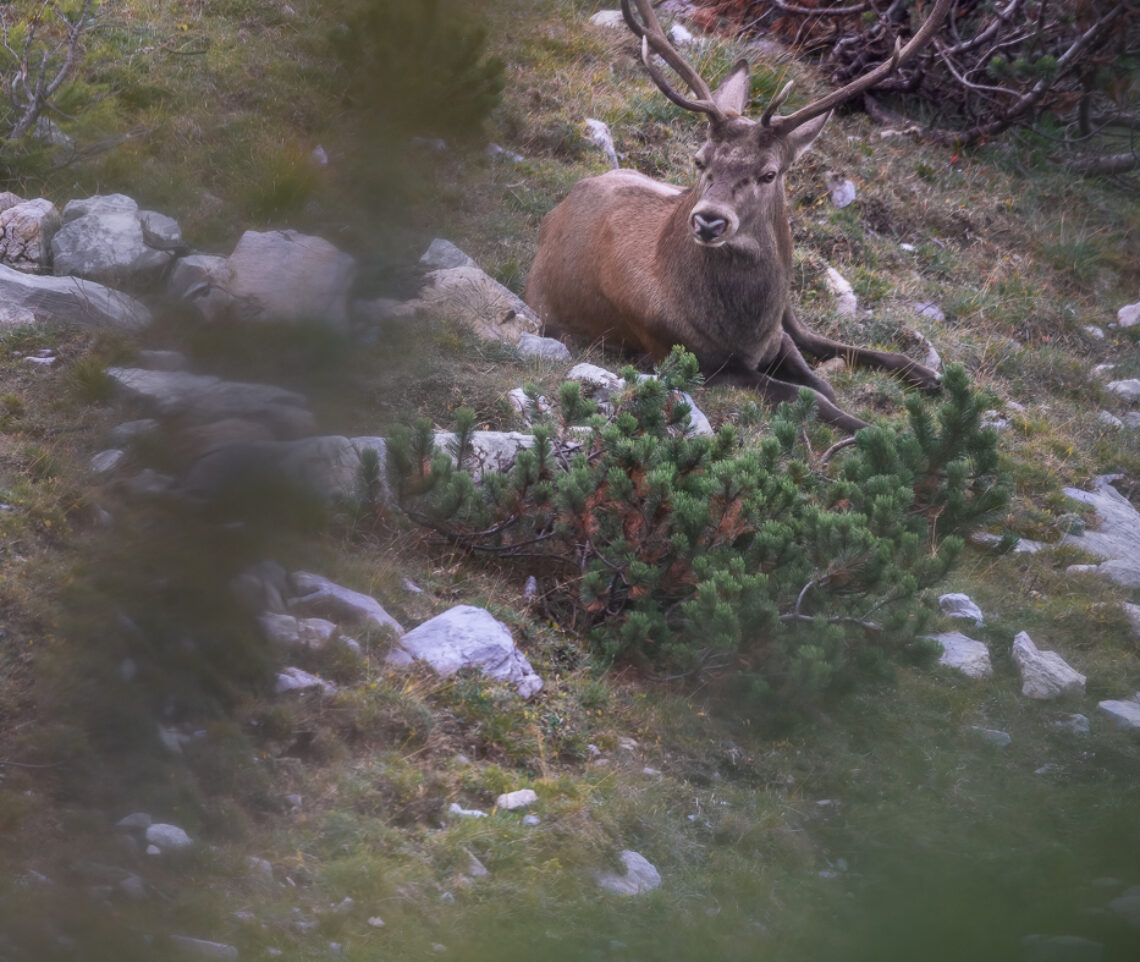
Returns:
point(951, 848)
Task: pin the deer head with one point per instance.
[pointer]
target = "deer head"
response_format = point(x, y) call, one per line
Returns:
point(741, 165)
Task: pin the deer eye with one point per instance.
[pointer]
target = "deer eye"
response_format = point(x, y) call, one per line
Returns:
point(768, 176)
point(699, 163)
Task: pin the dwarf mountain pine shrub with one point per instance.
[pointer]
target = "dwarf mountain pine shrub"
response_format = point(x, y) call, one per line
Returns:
point(688, 553)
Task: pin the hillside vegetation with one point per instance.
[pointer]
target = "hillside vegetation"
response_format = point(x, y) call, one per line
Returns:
point(868, 819)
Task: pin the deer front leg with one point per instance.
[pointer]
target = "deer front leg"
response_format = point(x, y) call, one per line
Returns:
point(823, 348)
point(775, 391)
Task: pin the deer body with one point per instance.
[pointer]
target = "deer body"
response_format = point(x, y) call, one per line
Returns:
point(648, 265)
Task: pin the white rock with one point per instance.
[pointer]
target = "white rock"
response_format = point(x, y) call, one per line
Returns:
point(490, 450)
point(106, 461)
point(1128, 315)
point(202, 282)
point(522, 798)
point(596, 382)
point(260, 868)
point(960, 606)
point(136, 821)
point(1128, 389)
point(1131, 419)
point(160, 231)
point(168, 838)
point(1060, 948)
point(530, 821)
point(846, 303)
point(315, 595)
point(295, 679)
point(444, 255)
point(1094, 332)
point(1117, 538)
point(525, 406)
point(1074, 724)
point(26, 230)
point(929, 309)
point(203, 949)
point(547, 348)
point(471, 296)
point(102, 240)
point(376, 922)
point(33, 299)
point(287, 277)
point(608, 18)
point(1132, 613)
point(992, 735)
point(1126, 714)
point(679, 35)
point(1127, 906)
point(640, 876)
point(475, 868)
point(456, 809)
point(599, 133)
point(1102, 370)
point(968, 656)
point(498, 152)
point(1109, 420)
point(290, 632)
point(468, 637)
point(1044, 674)
point(842, 190)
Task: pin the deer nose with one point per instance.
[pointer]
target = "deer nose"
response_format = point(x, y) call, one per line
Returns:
point(708, 227)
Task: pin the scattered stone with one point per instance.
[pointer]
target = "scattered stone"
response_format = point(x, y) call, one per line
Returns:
point(992, 735)
point(260, 869)
point(530, 821)
point(102, 240)
point(283, 276)
point(599, 133)
point(1074, 724)
point(497, 152)
point(202, 282)
point(133, 888)
point(607, 18)
point(314, 595)
point(547, 348)
point(960, 606)
point(1127, 906)
point(1108, 420)
point(475, 868)
point(135, 822)
point(1094, 332)
point(1044, 674)
point(1128, 389)
point(469, 295)
point(846, 303)
point(290, 632)
point(522, 798)
point(1117, 538)
point(640, 876)
point(1021, 546)
point(33, 299)
point(1126, 714)
point(456, 809)
point(993, 419)
point(490, 450)
point(47, 131)
point(123, 434)
point(26, 230)
point(596, 382)
point(295, 679)
point(203, 949)
point(1103, 370)
point(1060, 948)
point(345, 905)
point(929, 309)
point(442, 255)
point(468, 637)
point(841, 189)
point(168, 838)
point(106, 461)
point(968, 656)
point(376, 922)
point(1128, 315)
point(1131, 419)
point(679, 35)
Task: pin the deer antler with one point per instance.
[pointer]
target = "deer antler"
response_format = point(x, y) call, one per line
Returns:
point(899, 56)
point(653, 40)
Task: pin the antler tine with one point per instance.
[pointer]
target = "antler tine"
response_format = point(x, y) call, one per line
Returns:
point(777, 102)
point(899, 56)
point(653, 39)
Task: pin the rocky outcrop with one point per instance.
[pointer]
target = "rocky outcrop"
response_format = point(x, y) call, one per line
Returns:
point(1044, 674)
point(29, 299)
point(102, 240)
point(26, 230)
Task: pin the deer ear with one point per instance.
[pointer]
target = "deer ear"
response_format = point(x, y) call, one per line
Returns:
point(735, 91)
point(804, 135)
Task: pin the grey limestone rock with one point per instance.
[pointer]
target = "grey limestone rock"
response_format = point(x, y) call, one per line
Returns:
point(523, 798)
point(1044, 674)
point(168, 838)
point(1116, 537)
point(262, 587)
point(33, 299)
point(468, 637)
point(640, 876)
point(444, 255)
point(287, 277)
point(472, 297)
point(960, 606)
point(1128, 389)
point(26, 230)
point(968, 656)
point(102, 240)
point(312, 594)
point(547, 348)
point(296, 679)
point(1125, 714)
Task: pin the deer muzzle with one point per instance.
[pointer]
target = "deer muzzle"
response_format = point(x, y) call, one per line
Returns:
point(711, 226)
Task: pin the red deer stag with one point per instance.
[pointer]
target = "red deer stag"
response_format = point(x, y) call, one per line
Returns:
point(649, 265)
